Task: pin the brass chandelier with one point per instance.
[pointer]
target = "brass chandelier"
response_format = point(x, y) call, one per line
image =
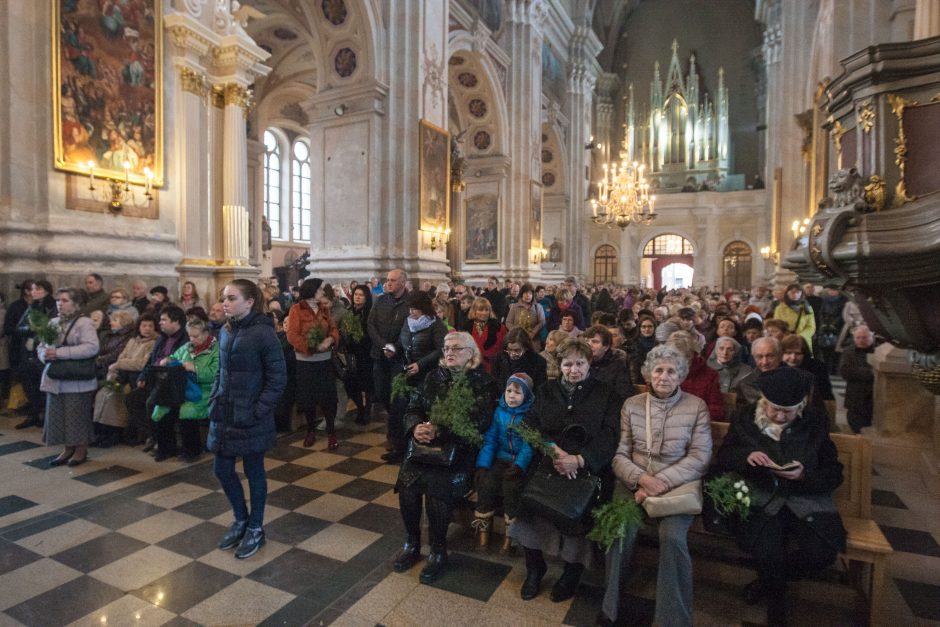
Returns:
point(623, 195)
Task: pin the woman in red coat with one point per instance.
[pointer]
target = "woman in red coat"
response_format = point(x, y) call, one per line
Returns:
point(702, 381)
point(487, 332)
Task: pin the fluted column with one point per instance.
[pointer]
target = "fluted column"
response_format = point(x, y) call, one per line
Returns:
point(584, 69)
point(235, 175)
point(926, 19)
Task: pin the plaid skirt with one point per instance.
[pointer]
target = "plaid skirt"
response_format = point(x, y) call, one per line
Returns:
point(69, 419)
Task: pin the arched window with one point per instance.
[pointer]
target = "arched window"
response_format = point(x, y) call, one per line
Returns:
point(668, 244)
point(272, 184)
point(300, 192)
point(736, 266)
point(605, 264)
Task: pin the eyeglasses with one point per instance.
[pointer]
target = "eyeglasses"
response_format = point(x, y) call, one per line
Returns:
point(455, 349)
point(515, 352)
point(647, 326)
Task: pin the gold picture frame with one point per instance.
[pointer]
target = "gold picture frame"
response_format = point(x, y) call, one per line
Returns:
point(481, 228)
point(433, 177)
point(107, 89)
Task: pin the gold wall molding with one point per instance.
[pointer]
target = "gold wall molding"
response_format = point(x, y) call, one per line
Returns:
point(194, 82)
point(898, 104)
point(225, 94)
point(875, 192)
point(837, 132)
point(865, 116)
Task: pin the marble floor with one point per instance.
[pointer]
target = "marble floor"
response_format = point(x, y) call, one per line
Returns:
point(123, 540)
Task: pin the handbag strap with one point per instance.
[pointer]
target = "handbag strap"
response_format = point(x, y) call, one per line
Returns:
point(649, 437)
point(69, 330)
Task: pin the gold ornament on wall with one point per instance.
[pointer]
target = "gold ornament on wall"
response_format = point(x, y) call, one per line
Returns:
point(898, 104)
point(865, 116)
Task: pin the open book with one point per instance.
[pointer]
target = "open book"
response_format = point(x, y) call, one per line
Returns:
point(788, 466)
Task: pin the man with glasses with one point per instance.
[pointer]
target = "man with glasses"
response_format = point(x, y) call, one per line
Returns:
point(384, 325)
point(460, 314)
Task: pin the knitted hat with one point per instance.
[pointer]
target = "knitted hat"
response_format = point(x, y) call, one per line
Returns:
point(524, 381)
point(159, 289)
point(784, 386)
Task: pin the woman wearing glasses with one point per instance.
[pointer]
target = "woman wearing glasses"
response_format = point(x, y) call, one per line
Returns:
point(519, 355)
point(440, 486)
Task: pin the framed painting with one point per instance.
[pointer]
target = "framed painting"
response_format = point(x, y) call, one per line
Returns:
point(107, 60)
point(434, 177)
point(482, 229)
point(535, 222)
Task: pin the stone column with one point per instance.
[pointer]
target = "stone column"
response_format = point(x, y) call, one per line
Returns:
point(584, 69)
point(926, 19)
point(605, 118)
point(522, 40)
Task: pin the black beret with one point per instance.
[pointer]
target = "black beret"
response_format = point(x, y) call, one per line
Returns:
point(159, 289)
point(783, 386)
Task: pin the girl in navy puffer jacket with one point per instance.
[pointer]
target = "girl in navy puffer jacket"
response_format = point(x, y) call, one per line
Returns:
point(504, 458)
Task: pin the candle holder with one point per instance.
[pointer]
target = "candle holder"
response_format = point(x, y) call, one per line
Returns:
point(439, 237)
point(120, 192)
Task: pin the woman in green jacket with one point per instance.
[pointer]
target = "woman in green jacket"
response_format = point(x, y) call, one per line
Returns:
point(797, 313)
point(199, 356)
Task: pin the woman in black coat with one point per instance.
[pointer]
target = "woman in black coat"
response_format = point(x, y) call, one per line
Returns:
point(358, 384)
point(440, 486)
point(577, 398)
point(30, 372)
point(787, 506)
point(417, 353)
point(519, 355)
point(251, 378)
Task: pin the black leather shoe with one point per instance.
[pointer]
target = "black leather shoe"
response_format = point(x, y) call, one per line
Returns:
point(535, 568)
point(250, 544)
point(567, 584)
point(234, 535)
point(437, 560)
point(59, 461)
point(409, 555)
point(393, 457)
point(29, 422)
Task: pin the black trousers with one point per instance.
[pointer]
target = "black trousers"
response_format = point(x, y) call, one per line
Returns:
point(409, 500)
point(164, 432)
point(788, 548)
point(382, 372)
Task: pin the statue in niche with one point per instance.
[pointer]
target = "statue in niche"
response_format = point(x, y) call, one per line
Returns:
point(554, 251)
point(266, 244)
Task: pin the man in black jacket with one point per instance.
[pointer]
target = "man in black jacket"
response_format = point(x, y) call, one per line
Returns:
point(384, 326)
point(859, 379)
point(577, 296)
point(497, 298)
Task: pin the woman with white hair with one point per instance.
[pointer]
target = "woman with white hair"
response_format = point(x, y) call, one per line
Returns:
point(726, 360)
point(665, 442)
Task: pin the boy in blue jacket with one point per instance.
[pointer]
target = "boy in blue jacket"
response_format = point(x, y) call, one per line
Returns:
point(503, 459)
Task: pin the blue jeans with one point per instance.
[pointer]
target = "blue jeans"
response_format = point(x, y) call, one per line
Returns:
point(673, 578)
point(253, 465)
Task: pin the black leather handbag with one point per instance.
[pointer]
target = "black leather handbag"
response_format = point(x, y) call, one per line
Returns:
point(72, 369)
point(344, 364)
point(433, 454)
point(169, 386)
point(566, 503)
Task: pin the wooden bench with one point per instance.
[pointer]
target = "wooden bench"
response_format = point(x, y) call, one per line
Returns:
point(867, 549)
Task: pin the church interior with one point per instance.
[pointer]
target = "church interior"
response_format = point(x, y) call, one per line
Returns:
point(662, 144)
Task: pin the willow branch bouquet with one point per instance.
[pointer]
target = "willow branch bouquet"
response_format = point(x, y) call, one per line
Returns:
point(400, 386)
point(534, 438)
point(613, 520)
point(315, 336)
point(42, 327)
point(351, 328)
point(730, 494)
point(453, 411)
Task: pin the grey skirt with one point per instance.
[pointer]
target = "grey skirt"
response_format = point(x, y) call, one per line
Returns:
point(69, 419)
point(534, 532)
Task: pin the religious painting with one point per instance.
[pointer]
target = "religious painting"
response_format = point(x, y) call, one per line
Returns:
point(482, 229)
point(535, 213)
point(107, 88)
point(434, 177)
point(554, 81)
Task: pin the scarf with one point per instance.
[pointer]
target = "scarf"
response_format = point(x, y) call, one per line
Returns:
point(195, 349)
point(766, 425)
point(420, 324)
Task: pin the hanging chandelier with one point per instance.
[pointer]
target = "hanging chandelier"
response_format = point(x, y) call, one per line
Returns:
point(623, 194)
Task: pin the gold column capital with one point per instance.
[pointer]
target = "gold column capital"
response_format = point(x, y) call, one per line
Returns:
point(194, 82)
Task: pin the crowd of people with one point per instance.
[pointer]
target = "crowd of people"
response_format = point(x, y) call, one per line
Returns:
point(133, 367)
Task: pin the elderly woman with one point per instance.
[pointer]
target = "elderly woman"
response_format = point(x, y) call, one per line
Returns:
point(792, 506)
point(701, 381)
point(527, 314)
point(121, 331)
point(440, 486)
point(70, 402)
point(576, 398)
point(552, 341)
point(120, 300)
point(487, 331)
point(726, 360)
point(563, 303)
point(676, 452)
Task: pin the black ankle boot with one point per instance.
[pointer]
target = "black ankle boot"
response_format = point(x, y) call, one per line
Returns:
point(437, 560)
point(409, 555)
point(535, 568)
point(567, 584)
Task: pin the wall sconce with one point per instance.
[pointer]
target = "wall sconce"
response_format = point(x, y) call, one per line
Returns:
point(340, 110)
point(120, 192)
point(439, 237)
point(799, 228)
point(538, 255)
point(767, 253)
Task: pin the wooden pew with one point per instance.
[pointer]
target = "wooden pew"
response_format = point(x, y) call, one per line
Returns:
point(867, 549)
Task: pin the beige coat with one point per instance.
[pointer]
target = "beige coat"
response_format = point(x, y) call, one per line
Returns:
point(134, 356)
point(682, 439)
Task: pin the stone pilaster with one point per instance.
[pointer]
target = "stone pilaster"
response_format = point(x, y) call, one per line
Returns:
point(926, 19)
point(583, 73)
